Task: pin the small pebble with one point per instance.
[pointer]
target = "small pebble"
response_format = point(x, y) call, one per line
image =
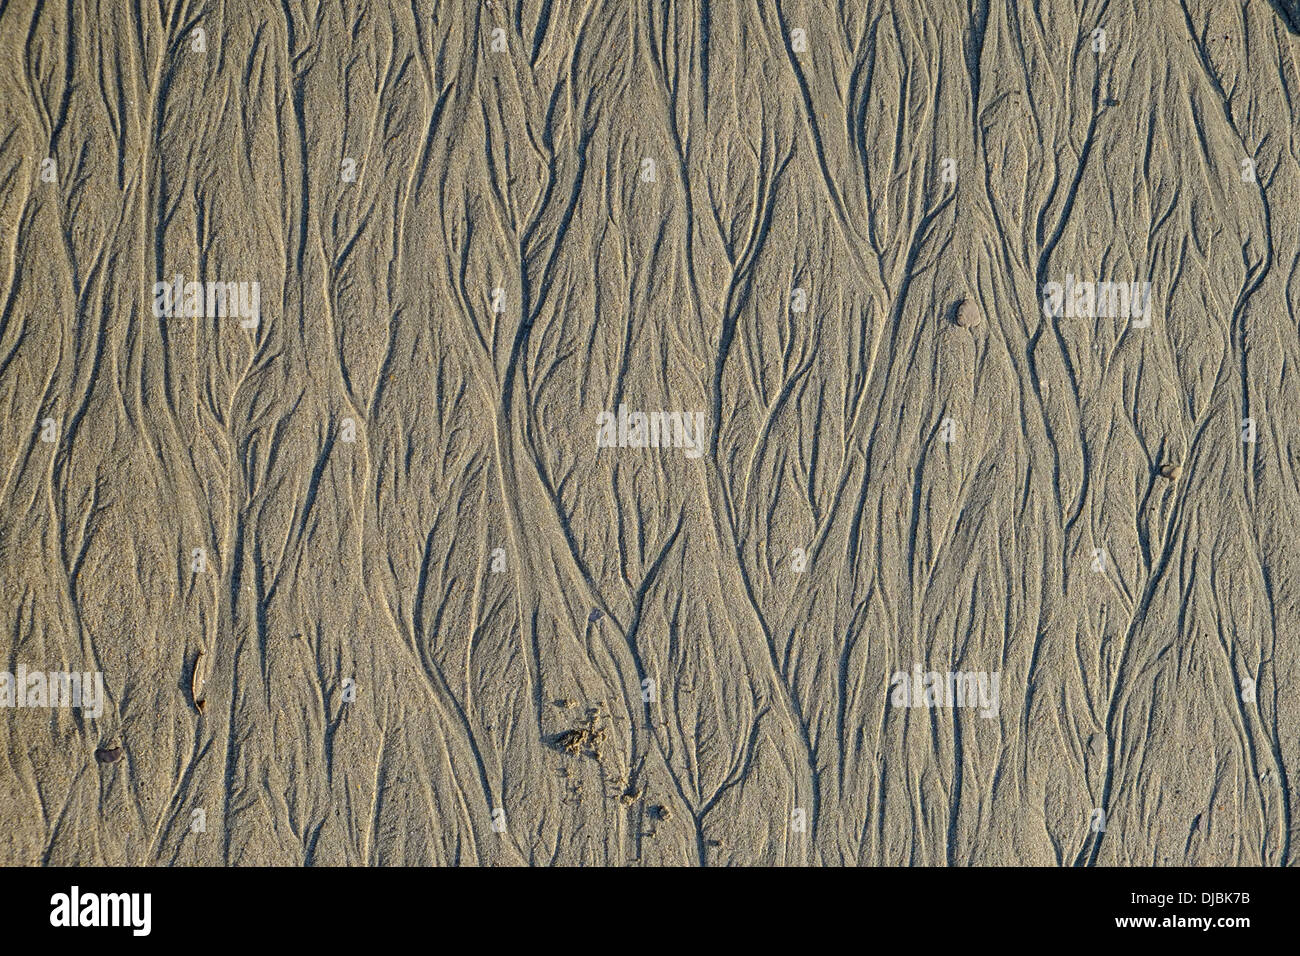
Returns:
point(1171, 471)
point(108, 754)
point(968, 316)
point(595, 615)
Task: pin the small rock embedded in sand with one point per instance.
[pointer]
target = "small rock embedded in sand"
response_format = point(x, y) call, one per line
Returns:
point(1172, 471)
point(108, 754)
point(595, 615)
point(968, 316)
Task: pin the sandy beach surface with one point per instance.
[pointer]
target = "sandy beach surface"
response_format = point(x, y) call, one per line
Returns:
point(654, 433)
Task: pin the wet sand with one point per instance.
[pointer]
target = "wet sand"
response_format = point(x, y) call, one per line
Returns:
point(655, 433)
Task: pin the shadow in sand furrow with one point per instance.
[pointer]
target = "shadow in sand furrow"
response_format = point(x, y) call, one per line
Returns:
point(1289, 11)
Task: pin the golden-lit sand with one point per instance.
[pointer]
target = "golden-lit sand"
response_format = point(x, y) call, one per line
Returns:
point(650, 433)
